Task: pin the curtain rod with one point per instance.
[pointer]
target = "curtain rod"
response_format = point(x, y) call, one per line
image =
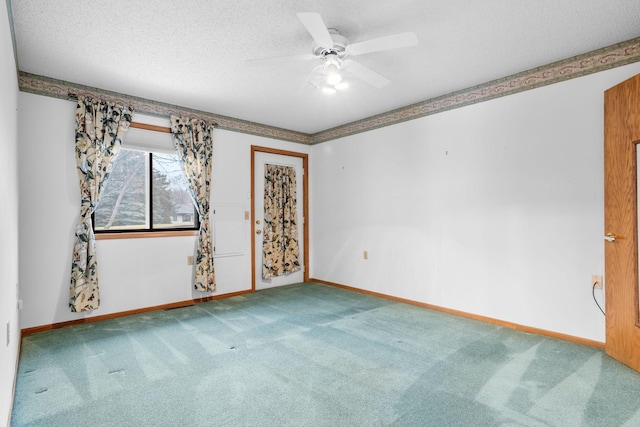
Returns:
point(74, 97)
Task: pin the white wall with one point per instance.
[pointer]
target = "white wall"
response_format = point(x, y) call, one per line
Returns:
point(494, 209)
point(134, 273)
point(8, 217)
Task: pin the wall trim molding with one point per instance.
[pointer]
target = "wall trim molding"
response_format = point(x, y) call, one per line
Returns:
point(595, 61)
point(493, 321)
point(186, 303)
point(46, 86)
point(613, 56)
point(93, 319)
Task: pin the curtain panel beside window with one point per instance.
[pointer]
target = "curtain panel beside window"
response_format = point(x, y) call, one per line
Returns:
point(194, 142)
point(100, 127)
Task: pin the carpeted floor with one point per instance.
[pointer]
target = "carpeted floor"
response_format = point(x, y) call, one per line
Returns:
point(314, 355)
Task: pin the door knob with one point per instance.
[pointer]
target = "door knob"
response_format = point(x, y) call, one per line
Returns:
point(610, 237)
point(258, 231)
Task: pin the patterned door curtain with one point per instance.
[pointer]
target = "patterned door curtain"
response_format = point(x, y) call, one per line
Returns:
point(194, 142)
point(100, 127)
point(280, 251)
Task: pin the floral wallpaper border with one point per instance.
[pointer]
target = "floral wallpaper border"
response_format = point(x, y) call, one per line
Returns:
point(595, 61)
point(592, 62)
point(47, 86)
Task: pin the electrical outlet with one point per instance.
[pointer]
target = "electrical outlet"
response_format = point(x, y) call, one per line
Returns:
point(365, 255)
point(190, 260)
point(596, 282)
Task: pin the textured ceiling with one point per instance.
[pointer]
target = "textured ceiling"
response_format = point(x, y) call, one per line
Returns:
point(192, 53)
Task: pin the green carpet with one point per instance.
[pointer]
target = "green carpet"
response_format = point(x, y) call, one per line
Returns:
point(314, 355)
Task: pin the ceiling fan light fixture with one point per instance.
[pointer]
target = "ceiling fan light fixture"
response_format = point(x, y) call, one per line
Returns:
point(334, 50)
point(332, 64)
point(332, 69)
point(334, 78)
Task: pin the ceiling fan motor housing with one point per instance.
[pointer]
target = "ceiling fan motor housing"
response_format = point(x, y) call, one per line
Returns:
point(339, 45)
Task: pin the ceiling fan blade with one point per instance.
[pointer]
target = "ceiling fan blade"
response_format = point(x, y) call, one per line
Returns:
point(312, 79)
point(383, 43)
point(315, 25)
point(280, 59)
point(366, 74)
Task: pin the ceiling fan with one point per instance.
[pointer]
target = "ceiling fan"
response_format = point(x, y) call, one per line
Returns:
point(334, 50)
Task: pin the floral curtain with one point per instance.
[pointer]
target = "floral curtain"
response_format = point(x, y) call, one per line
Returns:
point(280, 251)
point(194, 142)
point(100, 127)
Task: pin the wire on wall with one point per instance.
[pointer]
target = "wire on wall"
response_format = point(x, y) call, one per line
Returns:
point(593, 293)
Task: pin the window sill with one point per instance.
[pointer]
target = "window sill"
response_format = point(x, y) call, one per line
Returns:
point(145, 234)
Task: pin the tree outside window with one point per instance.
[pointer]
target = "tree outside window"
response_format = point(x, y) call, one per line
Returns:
point(145, 192)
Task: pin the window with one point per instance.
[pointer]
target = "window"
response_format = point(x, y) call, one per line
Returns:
point(146, 191)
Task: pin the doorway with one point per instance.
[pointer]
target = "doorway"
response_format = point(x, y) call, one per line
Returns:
point(261, 157)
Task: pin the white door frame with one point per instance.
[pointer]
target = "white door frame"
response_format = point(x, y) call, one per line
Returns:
point(305, 207)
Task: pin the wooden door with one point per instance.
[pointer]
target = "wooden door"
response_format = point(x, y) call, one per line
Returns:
point(621, 136)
